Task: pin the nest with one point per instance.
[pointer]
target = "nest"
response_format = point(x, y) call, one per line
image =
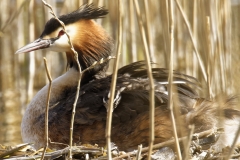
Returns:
point(200, 146)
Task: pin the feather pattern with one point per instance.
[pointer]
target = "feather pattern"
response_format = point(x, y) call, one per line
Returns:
point(131, 114)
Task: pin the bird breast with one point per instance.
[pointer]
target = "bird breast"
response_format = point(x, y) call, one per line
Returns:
point(30, 127)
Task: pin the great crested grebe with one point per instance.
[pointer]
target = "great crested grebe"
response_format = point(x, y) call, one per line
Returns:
point(130, 117)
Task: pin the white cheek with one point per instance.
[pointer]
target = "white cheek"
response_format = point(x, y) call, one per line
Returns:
point(60, 45)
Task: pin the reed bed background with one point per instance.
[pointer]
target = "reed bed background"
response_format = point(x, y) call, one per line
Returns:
point(214, 24)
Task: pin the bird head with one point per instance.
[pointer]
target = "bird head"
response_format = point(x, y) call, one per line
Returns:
point(89, 39)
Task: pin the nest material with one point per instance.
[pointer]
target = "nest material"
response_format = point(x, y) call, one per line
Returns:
point(200, 148)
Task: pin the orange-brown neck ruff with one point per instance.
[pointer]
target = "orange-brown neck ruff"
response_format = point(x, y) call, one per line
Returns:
point(92, 43)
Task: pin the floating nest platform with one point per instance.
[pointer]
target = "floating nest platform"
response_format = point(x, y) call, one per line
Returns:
point(200, 147)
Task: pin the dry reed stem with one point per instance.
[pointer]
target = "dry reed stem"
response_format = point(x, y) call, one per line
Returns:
point(148, 31)
point(139, 152)
point(98, 62)
point(61, 152)
point(14, 15)
point(193, 41)
point(150, 76)
point(164, 15)
point(79, 78)
point(235, 156)
point(221, 45)
point(210, 94)
point(11, 151)
point(47, 106)
point(133, 45)
point(194, 30)
point(170, 78)
point(187, 147)
point(92, 66)
point(113, 82)
point(58, 143)
point(90, 1)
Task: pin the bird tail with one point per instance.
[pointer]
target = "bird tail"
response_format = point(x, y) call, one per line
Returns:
point(219, 113)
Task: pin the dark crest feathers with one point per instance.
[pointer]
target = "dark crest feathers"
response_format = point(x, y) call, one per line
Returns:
point(86, 11)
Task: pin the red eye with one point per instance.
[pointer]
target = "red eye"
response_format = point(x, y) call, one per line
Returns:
point(60, 33)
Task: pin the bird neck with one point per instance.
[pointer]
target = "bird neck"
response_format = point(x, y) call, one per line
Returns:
point(92, 43)
point(60, 87)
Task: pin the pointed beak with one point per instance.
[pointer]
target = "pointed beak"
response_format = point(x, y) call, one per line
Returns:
point(36, 45)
